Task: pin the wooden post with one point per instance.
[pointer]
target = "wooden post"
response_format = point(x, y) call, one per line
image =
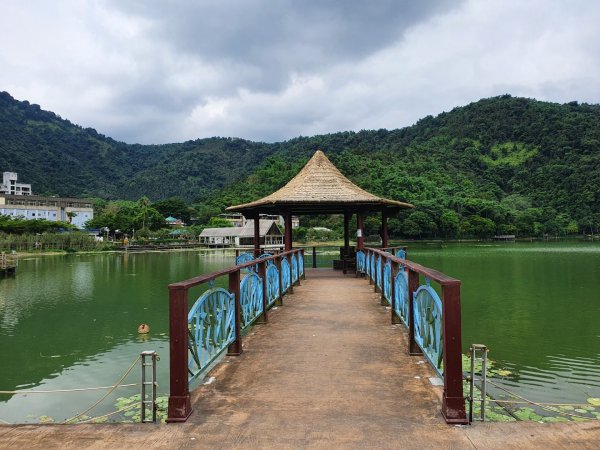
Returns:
point(235, 348)
point(262, 273)
point(288, 231)
point(453, 402)
point(297, 252)
point(346, 252)
point(314, 257)
point(278, 262)
point(383, 299)
point(180, 407)
point(291, 289)
point(413, 285)
point(368, 255)
point(360, 231)
point(395, 270)
point(257, 236)
point(303, 265)
point(384, 228)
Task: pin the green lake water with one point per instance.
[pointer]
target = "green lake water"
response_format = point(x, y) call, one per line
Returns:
point(71, 321)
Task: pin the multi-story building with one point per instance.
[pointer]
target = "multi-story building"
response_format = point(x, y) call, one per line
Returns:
point(76, 211)
point(11, 187)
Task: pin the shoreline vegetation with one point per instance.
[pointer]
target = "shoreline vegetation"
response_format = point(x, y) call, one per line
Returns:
point(118, 247)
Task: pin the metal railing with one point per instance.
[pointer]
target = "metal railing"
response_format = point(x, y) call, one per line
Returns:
point(215, 322)
point(433, 322)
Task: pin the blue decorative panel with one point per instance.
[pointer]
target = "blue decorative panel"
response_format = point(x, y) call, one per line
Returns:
point(294, 268)
point(387, 282)
point(266, 255)
point(378, 272)
point(244, 258)
point(401, 254)
point(285, 274)
point(272, 284)
point(372, 265)
point(211, 326)
point(401, 295)
point(301, 264)
point(428, 324)
point(360, 261)
point(251, 298)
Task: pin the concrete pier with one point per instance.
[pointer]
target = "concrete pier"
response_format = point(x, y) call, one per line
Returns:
point(328, 371)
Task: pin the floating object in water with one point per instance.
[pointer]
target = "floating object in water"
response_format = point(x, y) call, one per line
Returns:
point(144, 328)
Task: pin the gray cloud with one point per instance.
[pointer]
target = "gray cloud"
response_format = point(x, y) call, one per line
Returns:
point(155, 71)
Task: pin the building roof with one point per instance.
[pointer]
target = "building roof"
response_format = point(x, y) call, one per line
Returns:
point(265, 228)
point(319, 188)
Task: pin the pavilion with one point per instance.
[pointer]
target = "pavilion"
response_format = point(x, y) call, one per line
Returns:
point(320, 188)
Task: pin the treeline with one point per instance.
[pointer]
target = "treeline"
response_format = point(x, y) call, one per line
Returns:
point(502, 165)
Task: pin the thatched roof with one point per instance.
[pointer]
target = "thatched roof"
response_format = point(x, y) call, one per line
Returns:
point(319, 188)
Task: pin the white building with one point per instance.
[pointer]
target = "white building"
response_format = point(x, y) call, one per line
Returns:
point(11, 187)
point(76, 211)
point(270, 235)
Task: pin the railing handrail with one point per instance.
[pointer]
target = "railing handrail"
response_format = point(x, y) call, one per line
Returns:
point(432, 274)
point(195, 281)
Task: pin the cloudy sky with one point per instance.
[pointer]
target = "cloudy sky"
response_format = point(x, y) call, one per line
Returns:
point(156, 71)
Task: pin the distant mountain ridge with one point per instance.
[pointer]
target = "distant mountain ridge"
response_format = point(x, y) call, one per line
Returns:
point(513, 153)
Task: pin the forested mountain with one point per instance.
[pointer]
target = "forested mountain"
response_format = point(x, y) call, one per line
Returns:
point(499, 165)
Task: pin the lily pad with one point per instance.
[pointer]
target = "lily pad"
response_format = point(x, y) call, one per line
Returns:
point(594, 401)
point(504, 372)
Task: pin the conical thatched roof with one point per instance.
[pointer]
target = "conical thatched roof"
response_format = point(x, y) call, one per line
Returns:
point(319, 188)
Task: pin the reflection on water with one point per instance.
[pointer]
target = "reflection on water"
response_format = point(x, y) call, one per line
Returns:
point(71, 321)
point(536, 306)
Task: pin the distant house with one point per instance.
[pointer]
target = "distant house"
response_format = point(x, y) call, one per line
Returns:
point(270, 235)
point(172, 221)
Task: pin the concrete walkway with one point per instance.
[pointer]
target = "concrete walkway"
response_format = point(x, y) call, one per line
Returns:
point(327, 371)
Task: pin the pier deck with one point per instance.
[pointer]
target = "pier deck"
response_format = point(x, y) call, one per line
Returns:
point(327, 371)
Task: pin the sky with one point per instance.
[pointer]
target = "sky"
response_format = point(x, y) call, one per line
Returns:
point(155, 71)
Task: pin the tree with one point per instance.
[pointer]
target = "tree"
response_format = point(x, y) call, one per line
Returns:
point(449, 224)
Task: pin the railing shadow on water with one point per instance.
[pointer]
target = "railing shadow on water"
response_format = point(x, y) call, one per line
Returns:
point(433, 322)
point(219, 317)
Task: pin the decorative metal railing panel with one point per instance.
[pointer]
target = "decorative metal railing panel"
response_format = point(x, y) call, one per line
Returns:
point(244, 258)
point(285, 275)
point(378, 272)
point(294, 268)
point(211, 328)
point(401, 295)
point(401, 254)
point(272, 276)
point(387, 282)
point(251, 298)
point(266, 255)
point(301, 264)
point(360, 261)
point(428, 324)
point(372, 267)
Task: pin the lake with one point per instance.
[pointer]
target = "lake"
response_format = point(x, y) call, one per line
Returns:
point(70, 321)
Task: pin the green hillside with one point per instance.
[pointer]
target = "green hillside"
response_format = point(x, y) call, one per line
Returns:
point(501, 165)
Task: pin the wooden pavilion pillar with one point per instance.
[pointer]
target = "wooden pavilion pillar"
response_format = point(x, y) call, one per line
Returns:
point(360, 231)
point(347, 216)
point(384, 228)
point(287, 239)
point(257, 236)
